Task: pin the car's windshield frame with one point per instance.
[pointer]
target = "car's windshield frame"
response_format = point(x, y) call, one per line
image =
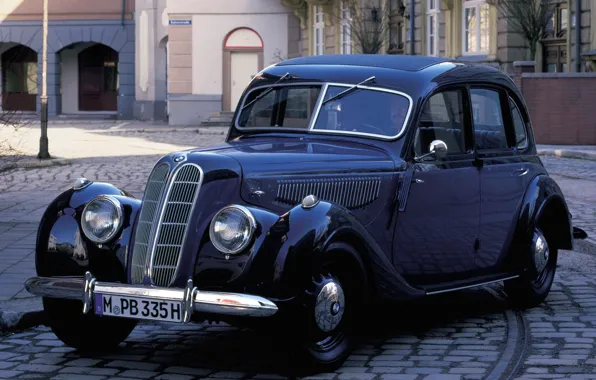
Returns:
point(317, 109)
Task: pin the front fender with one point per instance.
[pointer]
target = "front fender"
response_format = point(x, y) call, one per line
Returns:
point(63, 250)
point(301, 236)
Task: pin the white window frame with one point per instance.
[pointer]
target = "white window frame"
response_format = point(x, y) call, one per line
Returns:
point(318, 25)
point(432, 17)
point(476, 5)
point(345, 40)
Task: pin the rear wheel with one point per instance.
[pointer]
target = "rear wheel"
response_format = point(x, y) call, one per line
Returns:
point(86, 332)
point(533, 286)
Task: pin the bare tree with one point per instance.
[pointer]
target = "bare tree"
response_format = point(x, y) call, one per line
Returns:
point(10, 155)
point(369, 27)
point(529, 18)
point(11, 121)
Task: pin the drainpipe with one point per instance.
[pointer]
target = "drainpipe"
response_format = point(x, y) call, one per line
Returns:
point(412, 44)
point(122, 13)
point(578, 35)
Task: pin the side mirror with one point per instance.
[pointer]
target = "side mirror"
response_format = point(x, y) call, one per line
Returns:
point(437, 148)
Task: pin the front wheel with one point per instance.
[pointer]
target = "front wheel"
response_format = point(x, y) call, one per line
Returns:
point(533, 286)
point(85, 332)
point(326, 326)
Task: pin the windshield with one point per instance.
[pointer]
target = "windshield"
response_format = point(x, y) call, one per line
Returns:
point(285, 107)
point(364, 111)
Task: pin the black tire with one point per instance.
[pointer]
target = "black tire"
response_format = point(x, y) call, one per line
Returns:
point(85, 332)
point(532, 288)
point(325, 351)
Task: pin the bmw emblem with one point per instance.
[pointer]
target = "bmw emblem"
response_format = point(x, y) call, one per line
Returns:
point(178, 158)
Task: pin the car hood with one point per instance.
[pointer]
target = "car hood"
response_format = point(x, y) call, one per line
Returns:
point(268, 156)
point(278, 172)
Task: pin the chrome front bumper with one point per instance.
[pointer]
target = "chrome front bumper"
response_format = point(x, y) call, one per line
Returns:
point(191, 299)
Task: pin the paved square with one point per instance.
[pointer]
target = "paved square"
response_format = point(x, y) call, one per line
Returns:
point(467, 335)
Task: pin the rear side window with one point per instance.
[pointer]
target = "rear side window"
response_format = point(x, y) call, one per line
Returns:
point(521, 137)
point(489, 129)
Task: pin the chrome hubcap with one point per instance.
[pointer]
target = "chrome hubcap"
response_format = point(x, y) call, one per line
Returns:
point(329, 308)
point(541, 251)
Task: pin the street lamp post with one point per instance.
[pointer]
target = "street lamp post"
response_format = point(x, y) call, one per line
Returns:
point(43, 140)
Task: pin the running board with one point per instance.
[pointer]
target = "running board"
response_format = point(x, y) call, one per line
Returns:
point(457, 288)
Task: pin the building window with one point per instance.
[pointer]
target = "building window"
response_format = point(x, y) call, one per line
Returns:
point(554, 40)
point(475, 27)
point(432, 27)
point(345, 25)
point(319, 30)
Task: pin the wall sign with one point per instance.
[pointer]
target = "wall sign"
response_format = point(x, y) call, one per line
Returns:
point(180, 22)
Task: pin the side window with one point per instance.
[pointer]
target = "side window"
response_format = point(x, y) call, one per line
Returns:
point(489, 129)
point(521, 137)
point(441, 119)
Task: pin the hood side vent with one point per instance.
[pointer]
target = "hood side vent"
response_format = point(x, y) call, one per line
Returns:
point(352, 193)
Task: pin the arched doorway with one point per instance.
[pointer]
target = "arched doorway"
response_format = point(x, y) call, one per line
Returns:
point(19, 79)
point(243, 59)
point(98, 79)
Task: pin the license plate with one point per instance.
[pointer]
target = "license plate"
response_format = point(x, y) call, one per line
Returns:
point(137, 307)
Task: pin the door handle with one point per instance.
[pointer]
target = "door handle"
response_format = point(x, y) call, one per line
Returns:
point(520, 172)
point(417, 180)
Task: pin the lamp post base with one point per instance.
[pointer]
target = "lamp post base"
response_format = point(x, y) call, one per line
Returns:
point(43, 140)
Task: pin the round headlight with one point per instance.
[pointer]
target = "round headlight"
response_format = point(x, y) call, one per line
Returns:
point(102, 219)
point(232, 229)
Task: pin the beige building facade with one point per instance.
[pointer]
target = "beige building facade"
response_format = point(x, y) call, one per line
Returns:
point(471, 30)
point(194, 58)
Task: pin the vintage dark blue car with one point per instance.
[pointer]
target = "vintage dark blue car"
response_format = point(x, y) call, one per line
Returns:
point(343, 181)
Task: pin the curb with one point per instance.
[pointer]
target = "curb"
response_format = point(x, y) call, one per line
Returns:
point(20, 314)
point(11, 321)
point(200, 131)
point(568, 153)
point(37, 163)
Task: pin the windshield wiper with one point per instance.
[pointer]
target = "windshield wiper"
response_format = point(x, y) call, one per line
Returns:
point(349, 90)
point(262, 94)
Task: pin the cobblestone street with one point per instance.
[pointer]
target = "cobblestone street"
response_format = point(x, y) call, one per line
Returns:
point(473, 334)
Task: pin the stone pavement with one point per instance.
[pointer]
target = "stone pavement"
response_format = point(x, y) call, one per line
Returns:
point(468, 335)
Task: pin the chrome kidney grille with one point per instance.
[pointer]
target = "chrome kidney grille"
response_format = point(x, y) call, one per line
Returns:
point(352, 193)
point(160, 253)
point(153, 192)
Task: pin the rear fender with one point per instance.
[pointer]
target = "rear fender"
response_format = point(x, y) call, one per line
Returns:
point(543, 206)
point(63, 250)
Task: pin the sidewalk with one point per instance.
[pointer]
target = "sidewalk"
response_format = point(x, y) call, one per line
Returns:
point(586, 152)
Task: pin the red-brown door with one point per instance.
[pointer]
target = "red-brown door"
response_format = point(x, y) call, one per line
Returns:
point(19, 79)
point(98, 79)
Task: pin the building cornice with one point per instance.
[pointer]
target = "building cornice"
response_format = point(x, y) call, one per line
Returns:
point(299, 8)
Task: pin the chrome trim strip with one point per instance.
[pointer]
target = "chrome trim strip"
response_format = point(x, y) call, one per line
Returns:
point(194, 300)
point(471, 286)
point(324, 88)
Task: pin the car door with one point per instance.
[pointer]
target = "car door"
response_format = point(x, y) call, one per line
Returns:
point(437, 223)
point(499, 137)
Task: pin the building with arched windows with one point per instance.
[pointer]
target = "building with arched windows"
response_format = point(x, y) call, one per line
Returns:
point(194, 58)
point(91, 48)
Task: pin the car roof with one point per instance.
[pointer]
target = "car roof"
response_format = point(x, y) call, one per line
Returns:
point(387, 61)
